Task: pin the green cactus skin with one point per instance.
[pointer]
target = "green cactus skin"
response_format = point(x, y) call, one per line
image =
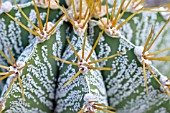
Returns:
point(122, 88)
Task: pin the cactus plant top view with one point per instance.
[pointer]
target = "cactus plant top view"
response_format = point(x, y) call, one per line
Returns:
point(84, 56)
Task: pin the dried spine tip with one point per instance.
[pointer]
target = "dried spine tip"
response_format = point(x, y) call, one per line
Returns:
point(5, 7)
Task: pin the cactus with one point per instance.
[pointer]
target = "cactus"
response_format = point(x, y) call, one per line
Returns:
point(84, 56)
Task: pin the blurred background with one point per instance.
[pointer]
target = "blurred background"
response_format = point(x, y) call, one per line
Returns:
point(152, 3)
